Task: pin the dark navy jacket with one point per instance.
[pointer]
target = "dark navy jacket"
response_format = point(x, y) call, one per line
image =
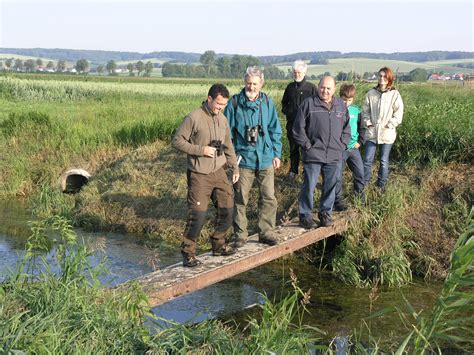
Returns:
point(322, 133)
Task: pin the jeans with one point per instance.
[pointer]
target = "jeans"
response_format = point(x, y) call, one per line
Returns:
point(369, 156)
point(311, 173)
point(354, 161)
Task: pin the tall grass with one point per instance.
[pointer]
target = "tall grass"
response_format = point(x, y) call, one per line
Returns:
point(68, 312)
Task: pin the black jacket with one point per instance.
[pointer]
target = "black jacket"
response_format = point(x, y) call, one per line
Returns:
point(295, 93)
point(322, 133)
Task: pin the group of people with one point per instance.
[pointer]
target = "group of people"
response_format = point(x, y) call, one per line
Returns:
point(243, 133)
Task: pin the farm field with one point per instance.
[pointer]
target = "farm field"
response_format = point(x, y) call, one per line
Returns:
point(362, 65)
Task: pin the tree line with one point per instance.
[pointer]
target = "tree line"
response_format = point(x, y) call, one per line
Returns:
point(97, 56)
point(82, 66)
point(212, 66)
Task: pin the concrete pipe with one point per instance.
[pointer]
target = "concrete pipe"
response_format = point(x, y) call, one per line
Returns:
point(73, 180)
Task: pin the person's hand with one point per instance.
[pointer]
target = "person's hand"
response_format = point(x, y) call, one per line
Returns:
point(209, 151)
point(276, 163)
point(357, 146)
point(235, 178)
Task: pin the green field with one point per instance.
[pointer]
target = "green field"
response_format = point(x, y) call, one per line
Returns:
point(362, 65)
point(119, 129)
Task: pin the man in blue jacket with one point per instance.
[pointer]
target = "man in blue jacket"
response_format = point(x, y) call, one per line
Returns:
point(256, 134)
point(322, 129)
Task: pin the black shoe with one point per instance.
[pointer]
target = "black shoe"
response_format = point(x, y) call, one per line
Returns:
point(325, 219)
point(239, 243)
point(308, 223)
point(340, 205)
point(190, 261)
point(226, 250)
point(270, 240)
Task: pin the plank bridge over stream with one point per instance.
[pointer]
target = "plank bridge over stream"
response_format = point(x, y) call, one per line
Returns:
point(175, 280)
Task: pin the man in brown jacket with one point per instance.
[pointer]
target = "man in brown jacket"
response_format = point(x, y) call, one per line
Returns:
point(204, 136)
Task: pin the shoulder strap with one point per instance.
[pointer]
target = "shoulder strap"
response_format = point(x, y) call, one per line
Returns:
point(234, 102)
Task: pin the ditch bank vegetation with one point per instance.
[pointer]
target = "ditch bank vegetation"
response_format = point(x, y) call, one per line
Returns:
point(120, 133)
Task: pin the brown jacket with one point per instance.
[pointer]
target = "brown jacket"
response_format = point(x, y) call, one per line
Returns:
point(198, 129)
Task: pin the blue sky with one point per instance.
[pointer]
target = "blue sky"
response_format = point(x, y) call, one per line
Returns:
point(258, 27)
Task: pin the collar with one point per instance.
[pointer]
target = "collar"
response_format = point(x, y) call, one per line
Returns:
point(206, 108)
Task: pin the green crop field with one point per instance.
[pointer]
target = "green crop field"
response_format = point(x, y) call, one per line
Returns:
point(362, 65)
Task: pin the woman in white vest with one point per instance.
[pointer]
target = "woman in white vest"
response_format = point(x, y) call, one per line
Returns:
point(382, 113)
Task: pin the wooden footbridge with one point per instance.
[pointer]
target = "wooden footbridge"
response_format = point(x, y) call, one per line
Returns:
point(173, 281)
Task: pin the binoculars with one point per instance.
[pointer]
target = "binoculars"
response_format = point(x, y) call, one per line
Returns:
point(218, 145)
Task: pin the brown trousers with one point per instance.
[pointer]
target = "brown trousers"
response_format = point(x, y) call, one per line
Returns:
point(202, 188)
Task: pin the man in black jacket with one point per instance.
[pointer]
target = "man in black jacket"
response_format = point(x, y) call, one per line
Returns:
point(322, 130)
point(295, 93)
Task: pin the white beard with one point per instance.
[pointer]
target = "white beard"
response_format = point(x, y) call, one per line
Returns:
point(250, 95)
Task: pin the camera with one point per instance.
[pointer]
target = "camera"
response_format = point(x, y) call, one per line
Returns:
point(218, 145)
point(252, 134)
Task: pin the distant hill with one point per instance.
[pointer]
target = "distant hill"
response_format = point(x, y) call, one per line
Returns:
point(321, 57)
point(96, 56)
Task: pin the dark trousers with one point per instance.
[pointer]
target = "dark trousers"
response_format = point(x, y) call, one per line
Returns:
point(200, 189)
point(294, 148)
point(356, 165)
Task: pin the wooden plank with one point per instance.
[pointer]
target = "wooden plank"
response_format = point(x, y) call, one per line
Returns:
point(173, 281)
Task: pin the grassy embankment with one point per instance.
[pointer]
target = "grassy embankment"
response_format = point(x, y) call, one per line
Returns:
point(119, 130)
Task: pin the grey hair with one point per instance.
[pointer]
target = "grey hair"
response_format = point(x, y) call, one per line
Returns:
point(254, 71)
point(300, 65)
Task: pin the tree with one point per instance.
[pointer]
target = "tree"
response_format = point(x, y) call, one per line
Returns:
point(418, 74)
point(130, 68)
point(223, 64)
point(18, 65)
point(50, 65)
point(39, 62)
point(140, 67)
point(208, 59)
point(111, 66)
point(148, 68)
point(272, 72)
point(82, 65)
point(61, 65)
point(8, 63)
point(30, 65)
point(100, 69)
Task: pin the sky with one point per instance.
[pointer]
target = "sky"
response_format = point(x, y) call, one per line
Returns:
point(257, 27)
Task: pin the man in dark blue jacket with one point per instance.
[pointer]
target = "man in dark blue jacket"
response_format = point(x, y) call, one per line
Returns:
point(322, 130)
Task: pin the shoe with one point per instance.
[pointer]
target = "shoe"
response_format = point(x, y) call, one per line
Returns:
point(269, 239)
point(340, 205)
point(308, 223)
point(190, 261)
point(325, 219)
point(226, 250)
point(239, 243)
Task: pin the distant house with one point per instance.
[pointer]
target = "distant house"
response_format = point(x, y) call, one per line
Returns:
point(436, 76)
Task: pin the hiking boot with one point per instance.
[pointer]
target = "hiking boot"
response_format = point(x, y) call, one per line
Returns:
point(190, 261)
point(308, 223)
point(239, 243)
point(226, 250)
point(325, 219)
point(268, 239)
point(340, 205)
